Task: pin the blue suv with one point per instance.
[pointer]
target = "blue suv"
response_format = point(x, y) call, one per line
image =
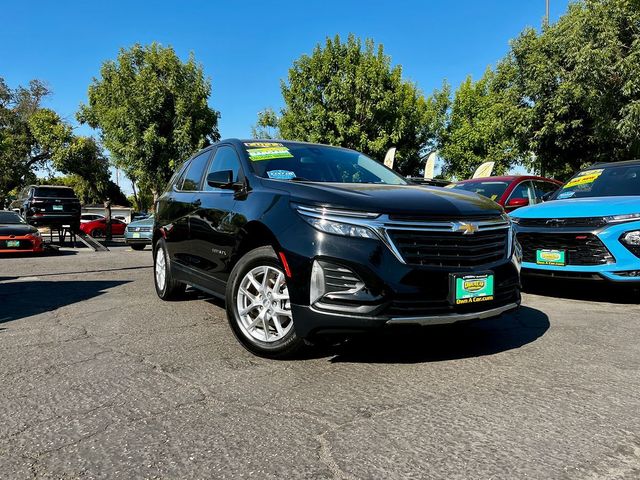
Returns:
point(590, 229)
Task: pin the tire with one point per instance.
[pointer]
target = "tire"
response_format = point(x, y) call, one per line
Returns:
point(167, 287)
point(278, 339)
point(97, 233)
point(137, 246)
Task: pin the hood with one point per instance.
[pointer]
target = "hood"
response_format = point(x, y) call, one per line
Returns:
point(16, 229)
point(409, 200)
point(581, 207)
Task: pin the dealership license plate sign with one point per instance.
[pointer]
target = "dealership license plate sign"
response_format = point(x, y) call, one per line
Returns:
point(13, 243)
point(472, 288)
point(551, 257)
point(58, 207)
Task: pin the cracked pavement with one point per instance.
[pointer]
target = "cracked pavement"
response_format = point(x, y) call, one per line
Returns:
point(101, 379)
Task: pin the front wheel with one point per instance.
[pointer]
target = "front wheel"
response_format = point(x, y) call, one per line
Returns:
point(258, 306)
point(137, 246)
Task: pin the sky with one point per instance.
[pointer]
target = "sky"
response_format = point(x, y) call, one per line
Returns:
point(247, 47)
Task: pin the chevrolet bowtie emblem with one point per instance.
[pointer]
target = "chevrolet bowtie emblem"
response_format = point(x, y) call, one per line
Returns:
point(465, 228)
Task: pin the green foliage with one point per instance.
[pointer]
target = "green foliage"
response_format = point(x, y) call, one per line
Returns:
point(152, 111)
point(478, 129)
point(33, 137)
point(348, 94)
point(267, 126)
point(576, 88)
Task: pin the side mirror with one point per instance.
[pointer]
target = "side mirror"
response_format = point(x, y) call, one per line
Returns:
point(220, 179)
point(517, 202)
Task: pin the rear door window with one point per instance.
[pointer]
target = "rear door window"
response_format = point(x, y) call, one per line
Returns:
point(193, 177)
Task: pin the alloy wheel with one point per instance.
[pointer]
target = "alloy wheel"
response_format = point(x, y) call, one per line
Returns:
point(263, 305)
point(160, 269)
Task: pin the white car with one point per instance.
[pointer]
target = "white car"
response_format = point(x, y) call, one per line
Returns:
point(90, 217)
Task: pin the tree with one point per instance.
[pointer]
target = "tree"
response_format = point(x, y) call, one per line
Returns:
point(478, 129)
point(575, 87)
point(267, 125)
point(349, 95)
point(33, 138)
point(152, 112)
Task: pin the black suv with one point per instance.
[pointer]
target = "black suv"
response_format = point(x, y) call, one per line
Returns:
point(47, 205)
point(304, 239)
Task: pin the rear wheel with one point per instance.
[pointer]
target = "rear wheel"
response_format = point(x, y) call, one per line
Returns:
point(259, 308)
point(137, 246)
point(166, 287)
point(97, 233)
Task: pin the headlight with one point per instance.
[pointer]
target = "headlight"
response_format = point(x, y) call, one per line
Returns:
point(630, 217)
point(631, 238)
point(35, 234)
point(336, 221)
point(338, 228)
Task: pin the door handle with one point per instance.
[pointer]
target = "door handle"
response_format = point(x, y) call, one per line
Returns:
point(197, 202)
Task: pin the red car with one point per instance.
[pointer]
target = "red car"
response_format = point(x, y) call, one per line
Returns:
point(98, 228)
point(511, 191)
point(18, 236)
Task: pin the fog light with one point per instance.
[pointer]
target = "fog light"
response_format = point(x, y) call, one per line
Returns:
point(632, 238)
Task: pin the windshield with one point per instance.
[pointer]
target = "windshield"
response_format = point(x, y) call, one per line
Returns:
point(491, 189)
point(11, 218)
point(52, 192)
point(608, 181)
point(317, 163)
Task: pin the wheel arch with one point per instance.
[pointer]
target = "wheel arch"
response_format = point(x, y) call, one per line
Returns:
point(253, 235)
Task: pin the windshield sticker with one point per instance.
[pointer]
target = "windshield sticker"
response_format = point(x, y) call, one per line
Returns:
point(269, 153)
point(493, 197)
point(583, 178)
point(262, 144)
point(281, 174)
point(563, 195)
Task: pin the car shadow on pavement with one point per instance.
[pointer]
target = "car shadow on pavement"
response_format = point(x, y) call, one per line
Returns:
point(24, 299)
point(451, 342)
point(591, 291)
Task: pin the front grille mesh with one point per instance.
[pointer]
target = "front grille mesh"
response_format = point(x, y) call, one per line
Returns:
point(562, 222)
point(580, 248)
point(451, 249)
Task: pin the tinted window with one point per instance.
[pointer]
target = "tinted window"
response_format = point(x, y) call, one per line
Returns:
point(10, 218)
point(604, 181)
point(524, 190)
point(194, 172)
point(52, 192)
point(491, 189)
point(317, 163)
point(542, 188)
point(224, 159)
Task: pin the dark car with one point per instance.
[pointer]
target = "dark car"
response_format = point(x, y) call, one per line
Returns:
point(47, 205)
point(304, 239)
point(511, 191)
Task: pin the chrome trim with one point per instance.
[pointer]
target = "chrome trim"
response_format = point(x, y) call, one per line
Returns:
point(381, 224)
point(451, 317)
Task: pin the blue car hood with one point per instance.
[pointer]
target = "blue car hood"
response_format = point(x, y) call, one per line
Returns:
point(581, 207)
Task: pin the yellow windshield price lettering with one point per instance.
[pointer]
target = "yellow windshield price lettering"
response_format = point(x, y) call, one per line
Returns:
point(588, 176)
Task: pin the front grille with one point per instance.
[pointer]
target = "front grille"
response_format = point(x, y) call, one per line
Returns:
point(450, 249)
point(580, 248)
point(562, 222)
point(139, 229)
point(24, 245)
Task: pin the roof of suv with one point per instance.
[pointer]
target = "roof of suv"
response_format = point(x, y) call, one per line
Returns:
point(616, 164)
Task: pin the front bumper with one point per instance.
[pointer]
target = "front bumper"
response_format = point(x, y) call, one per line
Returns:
point(131, 240)
point(623, 259)
point(396, 293)
point(27, 244)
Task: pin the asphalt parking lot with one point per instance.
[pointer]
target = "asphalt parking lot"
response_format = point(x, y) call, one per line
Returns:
point(100, 379)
